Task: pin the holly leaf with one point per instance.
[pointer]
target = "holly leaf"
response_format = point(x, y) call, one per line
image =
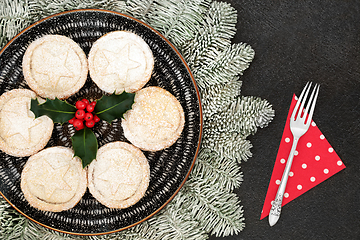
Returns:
point(59, 111)
point(85, 145)
point(114, 106)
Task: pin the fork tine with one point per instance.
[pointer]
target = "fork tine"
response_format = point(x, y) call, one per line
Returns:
point(309, 102)
point(317, 86)
point(303, 101)
point(300, 101)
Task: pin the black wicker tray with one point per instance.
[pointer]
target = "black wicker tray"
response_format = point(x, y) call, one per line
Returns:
point(169, 168)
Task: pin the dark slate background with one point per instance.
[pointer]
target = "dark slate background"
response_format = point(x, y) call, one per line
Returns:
point(298, 41)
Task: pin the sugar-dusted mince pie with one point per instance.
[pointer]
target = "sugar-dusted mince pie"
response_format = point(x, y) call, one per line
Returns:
point(55, 66)
point(119, 176)
point(20, 133)
point(53, 179)
point(155, 121)
point(119, 61)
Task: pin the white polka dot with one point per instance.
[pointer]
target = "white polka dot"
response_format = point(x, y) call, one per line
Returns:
point(299, 187)
point(313, 124)
point(317, 158)
point(291, 174)
point(312, 179)
point(330, 150)
point(309, 144)
point(339, 163)
point(272, 202)
point(277, 182)
point(322, 137)
point(282, 161)
point(296, 98)
point(287, 140)
point(296, 153)
point(304, 165)
point(286, 195)
point(326, 171)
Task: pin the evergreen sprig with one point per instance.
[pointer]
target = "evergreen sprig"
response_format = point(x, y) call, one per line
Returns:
point(174, 224)
point(224, 66)
point(14, 16)
point(216, 169)
point(202, 30)
point(214, 36)
point(43, 8)
point(140, 8)
point(12, 224)
point(178, 20)
point(226, 131)
point(219, 97)
point(217, 211)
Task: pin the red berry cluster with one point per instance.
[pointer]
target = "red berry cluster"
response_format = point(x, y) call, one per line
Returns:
point(84, 113)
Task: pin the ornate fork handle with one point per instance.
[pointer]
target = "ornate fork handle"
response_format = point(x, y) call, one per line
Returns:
point(276, 205)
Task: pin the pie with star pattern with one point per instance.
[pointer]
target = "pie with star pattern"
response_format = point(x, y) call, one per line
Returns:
point(53, 179)
point(120, 61)
point(21, 134)
point(155, 121)
point(119, 176)
point(55, 66)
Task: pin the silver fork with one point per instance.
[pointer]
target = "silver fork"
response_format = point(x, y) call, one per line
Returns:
point(299, 124)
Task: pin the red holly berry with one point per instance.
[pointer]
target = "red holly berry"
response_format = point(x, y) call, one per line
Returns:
point(71, 121)
point(85, 101)
point(80, 105)
point(89, 108)
point(96, 118)
point(93, 104)
point(80, 114)
point(88, 116)
point(90, 123)
point(78, 124)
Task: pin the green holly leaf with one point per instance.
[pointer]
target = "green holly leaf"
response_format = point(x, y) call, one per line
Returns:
point(85, 145)
point(114, 106)
point(59, 111)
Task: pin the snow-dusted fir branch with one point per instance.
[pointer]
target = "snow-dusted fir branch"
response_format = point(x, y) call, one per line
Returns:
point(218, 28)
point(34, 231)
point(219, 97)
point(171, 223)
point(218, 211)
point(14, 16)
point(12, 224)
point(140, 8)
point(174, 224)
point(43, 8)
point(244, 115)
point(210, 165)
point(142, 231)
point(250, 113)
point(225, 66)
point(178, 20)
point(225, 131)
point(229, 145)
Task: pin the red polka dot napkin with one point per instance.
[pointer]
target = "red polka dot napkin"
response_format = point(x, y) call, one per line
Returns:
point(314, 162)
